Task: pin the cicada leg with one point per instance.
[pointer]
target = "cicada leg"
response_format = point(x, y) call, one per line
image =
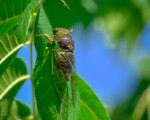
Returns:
point(47, 37)
point(60, 87)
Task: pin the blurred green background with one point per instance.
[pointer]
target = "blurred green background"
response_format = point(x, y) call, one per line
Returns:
point(112, 39)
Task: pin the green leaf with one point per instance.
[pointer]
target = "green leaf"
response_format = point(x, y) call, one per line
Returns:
point(19, 110)
point(12, 12)
point(10, 82)
point(91, 107)
point(78, 12)
point(11, 42)
point(50, 106)
point(144, 67)
point(44, 91)
point(9, 47)
point(42, 27)
point(124, 20)
point(22, 29)
point(135, 107)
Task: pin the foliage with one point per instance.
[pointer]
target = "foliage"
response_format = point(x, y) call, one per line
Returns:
point(15, 20)
point(123, 20)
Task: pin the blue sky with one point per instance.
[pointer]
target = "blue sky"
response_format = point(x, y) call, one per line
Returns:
point(106, 69)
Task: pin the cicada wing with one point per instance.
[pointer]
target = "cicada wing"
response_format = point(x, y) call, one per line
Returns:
point(69, 57)
point(60, 81)
point(74, 86)
point(66, 74)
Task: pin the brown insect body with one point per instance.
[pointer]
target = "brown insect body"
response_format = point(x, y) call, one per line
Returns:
point(64, 59)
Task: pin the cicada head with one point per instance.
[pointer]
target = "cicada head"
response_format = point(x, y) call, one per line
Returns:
point(61, 31)
point(64, 38)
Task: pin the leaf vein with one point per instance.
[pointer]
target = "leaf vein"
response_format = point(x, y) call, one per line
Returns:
point(82, 102)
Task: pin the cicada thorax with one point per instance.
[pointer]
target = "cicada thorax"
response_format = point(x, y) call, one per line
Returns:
point(64, 58)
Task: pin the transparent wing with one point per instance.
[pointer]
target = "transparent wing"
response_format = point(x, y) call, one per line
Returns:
point(64, 67)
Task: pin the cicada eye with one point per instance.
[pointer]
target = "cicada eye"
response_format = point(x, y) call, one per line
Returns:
point(55, 31)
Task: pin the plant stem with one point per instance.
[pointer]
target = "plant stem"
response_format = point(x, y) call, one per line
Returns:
point(32, 65)
point(32, 61)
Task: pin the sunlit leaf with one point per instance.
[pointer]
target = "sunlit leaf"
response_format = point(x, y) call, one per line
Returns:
point(11, 42)
point(10, 82)
point(19, 110)
point(22, 29)
point(144, 67)
point(11, 12)
point(9, 46)
point(91, 107)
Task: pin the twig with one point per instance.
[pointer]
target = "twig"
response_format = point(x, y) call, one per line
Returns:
point(32, 61)
point(65, 4)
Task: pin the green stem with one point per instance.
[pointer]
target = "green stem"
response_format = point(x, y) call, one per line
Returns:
point(32, 65)
point(32, 61)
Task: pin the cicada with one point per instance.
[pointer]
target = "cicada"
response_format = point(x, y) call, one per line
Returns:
point(64, 57)
point(62, 50)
